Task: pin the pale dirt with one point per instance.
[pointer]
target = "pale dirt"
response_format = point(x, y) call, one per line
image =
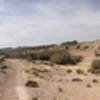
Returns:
point(13, 86)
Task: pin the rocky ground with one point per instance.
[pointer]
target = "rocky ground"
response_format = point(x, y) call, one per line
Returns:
point(54, 82)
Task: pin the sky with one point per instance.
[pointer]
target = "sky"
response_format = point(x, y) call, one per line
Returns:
point(37, 22)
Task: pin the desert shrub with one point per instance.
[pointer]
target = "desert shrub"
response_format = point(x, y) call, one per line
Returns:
point(32, 84)
point(97, 53)
point(41, 55)
point(77, 80)
point(76, 59)
point(69, 71)
point(95, 67)
point(2, 58)
point(78, 47)
point(3, 71)
point(35, 98)
point(3, 68)
point(40, 71)
point(89, 70)
point(60, 80)
point(70, 43)
point(60, 57)
point(95, 81)
point(18, 54)
point(85, 47)
point(79, 71)
point(60, 89)
point(64, 57)
point(99, 48)
point(88, 85)
point(67, 47)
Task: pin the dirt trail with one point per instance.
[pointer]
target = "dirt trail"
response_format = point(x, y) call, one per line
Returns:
point(13, 88)
point(20, 89)
point(56, 84)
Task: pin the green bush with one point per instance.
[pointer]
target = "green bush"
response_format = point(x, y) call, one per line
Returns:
point(95, 67)
point(70, 43)
point(77, 80)
point(39, 55)
point(18, 54)
point(35, 98)
point(32, 84)
point(69, 71)
point(95, 81)
point(60, 89)
point(67, 47)
point(44, 55)
point(78, 47)
point(85, 47)
point(60, 57)
point(64, 57)
point(88, 85)
point(76, 59)
point(79, 71)
point(97, 53)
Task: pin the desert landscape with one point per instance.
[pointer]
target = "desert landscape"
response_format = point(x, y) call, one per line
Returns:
point(68, 71)
point(49, 50)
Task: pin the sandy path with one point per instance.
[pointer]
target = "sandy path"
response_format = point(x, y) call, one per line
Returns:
point(13, 88)
point(20, 89)
point(22, 93)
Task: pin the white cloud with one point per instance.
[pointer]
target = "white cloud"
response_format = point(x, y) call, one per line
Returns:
point(47, 22)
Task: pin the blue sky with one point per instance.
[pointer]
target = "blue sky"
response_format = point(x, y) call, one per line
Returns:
point(36, 22)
